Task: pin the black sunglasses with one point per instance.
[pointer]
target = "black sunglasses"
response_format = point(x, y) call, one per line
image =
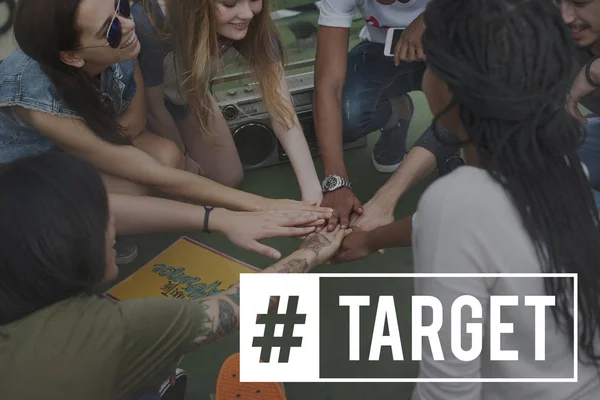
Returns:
point(114, 34)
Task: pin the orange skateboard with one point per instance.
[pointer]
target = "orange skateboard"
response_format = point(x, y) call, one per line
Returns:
point(229, 386)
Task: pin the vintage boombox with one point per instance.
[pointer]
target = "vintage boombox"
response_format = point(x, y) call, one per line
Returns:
point(251, 126)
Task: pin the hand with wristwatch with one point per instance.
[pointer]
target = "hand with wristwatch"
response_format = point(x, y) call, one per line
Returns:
point(338, 195)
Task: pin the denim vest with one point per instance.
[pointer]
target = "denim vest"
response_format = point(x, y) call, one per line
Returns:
point(23, 84)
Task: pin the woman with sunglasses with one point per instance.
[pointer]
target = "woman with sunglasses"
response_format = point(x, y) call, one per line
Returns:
point(184, 44)
point(74, 86)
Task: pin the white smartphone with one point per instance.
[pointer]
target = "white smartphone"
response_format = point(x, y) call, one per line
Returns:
point(393, 35)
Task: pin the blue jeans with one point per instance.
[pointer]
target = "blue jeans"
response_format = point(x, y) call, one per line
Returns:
point(372, 80)
point(589, 153)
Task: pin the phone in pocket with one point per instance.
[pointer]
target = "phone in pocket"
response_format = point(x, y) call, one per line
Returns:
point(393, 35)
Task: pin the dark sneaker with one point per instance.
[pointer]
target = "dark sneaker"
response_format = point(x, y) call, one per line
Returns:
point(450, 164)
point(126, 251)
point(177, 391)
point(390, 149)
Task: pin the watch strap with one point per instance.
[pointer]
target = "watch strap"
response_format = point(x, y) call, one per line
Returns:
point(343, 182)
point(346, 183)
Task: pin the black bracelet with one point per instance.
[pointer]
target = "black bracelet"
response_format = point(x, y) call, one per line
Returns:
point(588, 74)
point(207, 210)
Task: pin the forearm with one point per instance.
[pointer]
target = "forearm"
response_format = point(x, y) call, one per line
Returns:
point(327, 110)
point(220, 313)
point(298, 152)
point(396, 234)
point(201, 190)
point(143, 214)
point(418, 163)
point(132, 164)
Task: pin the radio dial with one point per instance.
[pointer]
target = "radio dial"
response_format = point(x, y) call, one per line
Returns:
point(230, 113)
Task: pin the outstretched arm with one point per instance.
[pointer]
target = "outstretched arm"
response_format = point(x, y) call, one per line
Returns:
point(132, 164)
point(330, 74)
point(360, 244)
point(296, 147)
point(140, 214)
point(220, 313)
point(379, 210)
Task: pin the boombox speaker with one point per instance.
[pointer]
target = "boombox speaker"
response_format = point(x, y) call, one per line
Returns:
point(251, 126)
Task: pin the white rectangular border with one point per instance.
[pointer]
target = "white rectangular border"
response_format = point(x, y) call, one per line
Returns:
point(565, 275)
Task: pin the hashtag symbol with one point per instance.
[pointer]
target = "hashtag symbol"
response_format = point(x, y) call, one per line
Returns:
point(289, 320)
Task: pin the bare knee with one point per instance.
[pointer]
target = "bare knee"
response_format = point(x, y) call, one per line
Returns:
point(168, 153)
point(236, 179)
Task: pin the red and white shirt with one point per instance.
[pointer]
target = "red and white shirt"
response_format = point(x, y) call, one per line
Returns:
point(378, 17)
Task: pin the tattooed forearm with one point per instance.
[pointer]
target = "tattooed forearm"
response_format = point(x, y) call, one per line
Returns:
point(220, 312)
point(315, 243)
point(295, 266)
point(219, 318)
point(234, 294)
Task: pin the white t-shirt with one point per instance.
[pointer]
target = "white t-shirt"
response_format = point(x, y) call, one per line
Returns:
point(378, 17)
point(466, 223)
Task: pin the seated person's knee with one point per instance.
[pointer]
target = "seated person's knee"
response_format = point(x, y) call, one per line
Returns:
point(354, 119)
point(169, 155)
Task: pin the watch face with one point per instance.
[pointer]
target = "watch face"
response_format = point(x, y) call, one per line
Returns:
point(331, 183)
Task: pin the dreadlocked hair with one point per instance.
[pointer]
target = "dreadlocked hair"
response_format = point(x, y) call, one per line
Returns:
point(508, 65)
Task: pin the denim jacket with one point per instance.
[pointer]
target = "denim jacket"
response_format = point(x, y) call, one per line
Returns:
point(23, 84)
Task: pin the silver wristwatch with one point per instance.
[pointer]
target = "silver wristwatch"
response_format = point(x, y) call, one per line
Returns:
point(333, 182)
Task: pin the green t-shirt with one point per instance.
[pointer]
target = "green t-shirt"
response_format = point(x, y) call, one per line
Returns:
point(92, 348)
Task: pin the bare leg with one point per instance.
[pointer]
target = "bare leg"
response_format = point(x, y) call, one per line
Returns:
point(216, 156)
point(163, 150)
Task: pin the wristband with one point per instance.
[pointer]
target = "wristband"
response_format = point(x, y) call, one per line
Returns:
point(588, 74)
point(207, 210)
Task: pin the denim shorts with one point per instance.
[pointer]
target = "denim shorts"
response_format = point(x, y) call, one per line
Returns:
point(178, 112)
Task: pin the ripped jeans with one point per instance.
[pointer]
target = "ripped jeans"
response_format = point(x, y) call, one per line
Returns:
point(372, 80)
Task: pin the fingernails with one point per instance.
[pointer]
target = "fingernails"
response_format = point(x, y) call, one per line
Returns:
point(276, 254)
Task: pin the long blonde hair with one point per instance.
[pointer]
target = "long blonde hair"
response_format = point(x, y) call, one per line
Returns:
point(193, 30)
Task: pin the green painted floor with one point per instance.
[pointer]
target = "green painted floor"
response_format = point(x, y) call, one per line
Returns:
point(278, 182)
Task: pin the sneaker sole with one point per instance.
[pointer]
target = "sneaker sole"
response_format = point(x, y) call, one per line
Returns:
point(386, 169)
point(128, 259)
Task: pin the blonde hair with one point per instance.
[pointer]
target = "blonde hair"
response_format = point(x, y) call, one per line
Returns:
point(193, 30)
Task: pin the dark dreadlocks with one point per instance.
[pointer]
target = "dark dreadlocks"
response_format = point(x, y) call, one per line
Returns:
point(508, 64)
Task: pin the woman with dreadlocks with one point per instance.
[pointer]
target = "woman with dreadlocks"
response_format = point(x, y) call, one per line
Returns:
point(498, 75)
